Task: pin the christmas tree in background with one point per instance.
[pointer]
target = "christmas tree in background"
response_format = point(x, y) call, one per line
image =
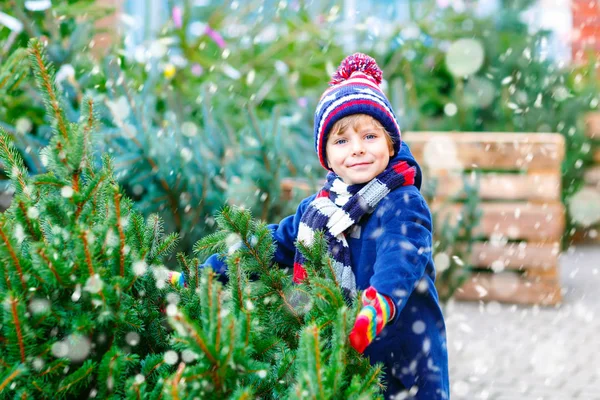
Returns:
point(69, 29)
point(185, 168)
point(87, 306)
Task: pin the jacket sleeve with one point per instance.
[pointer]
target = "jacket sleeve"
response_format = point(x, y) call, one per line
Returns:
point(286, 232)
point(404, 247)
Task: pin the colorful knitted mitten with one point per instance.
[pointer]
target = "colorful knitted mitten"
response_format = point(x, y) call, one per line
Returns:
point(176, 278)
point(376, 312)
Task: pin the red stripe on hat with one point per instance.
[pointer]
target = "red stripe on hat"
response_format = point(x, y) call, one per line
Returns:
point(341, 108)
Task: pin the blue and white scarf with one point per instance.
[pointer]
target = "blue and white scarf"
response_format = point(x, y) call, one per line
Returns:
point(337, 207)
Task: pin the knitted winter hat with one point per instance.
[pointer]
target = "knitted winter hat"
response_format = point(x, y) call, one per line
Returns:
point(354, 89)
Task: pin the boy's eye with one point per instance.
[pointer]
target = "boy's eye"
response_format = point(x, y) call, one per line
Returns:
point(370, 136)
point(340, 141)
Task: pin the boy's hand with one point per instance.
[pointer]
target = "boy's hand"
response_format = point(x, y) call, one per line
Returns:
point(376, 312)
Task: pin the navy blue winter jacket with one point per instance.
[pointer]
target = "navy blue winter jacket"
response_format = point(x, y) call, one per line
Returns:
point(392, 251)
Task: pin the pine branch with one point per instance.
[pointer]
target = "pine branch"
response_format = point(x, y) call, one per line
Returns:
point(77, 379)
point(113, 366)
point(138, 234)
point(372, 378)
point(217, 316)
point(164, 247)
point(243, 393)
point(184, 266)
point(44, 74)
point(48, 179)
point(337, 358)
point(87, 110)
point(32, 232)
point(212, 243)
point(12, 72)
point(154, 231)
point(175, 381)
point(16, 319)
point(13, 255)
point(6, 275)
point(198, 340)
point(88, 254)
point(317, 358)
point(41, 253)
point(231, 341)
point(10, 376)
point(117, 200)
point(14, 163)
point(54, 368)
point(154, 366)
point(90, 191)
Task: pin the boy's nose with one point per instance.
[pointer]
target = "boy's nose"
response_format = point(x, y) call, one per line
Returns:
point(357, 147)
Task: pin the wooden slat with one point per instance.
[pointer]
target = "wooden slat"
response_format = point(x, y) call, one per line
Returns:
point(516, 255)
point(502, 186)
point(592, 176)
point(592, 125)
point(509, 287)
point(540, 274)
point(597, 156)
point(514, 220)
point(498, 150)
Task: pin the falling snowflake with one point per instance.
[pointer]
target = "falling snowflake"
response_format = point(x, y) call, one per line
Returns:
point(171, 357)
point(67, 192)
point(140, 267)
point(94, 284)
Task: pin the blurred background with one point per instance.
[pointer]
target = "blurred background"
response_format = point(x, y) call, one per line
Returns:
point(206, 102)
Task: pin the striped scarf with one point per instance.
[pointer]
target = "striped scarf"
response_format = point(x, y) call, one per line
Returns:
point(337, 207)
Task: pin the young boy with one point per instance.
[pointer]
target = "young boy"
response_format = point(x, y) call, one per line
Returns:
point(378, 229)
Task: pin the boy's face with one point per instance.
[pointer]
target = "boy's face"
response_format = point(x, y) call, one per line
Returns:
point(358, 153)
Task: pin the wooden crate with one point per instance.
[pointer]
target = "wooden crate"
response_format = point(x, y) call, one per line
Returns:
point(523, 218)
point(591, 234)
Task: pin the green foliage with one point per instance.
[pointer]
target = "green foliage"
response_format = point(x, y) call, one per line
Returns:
point(73, 272)
point(262, 334)
point(185, 171)
point(85, 294)
point(245, 61)
point(68, 29)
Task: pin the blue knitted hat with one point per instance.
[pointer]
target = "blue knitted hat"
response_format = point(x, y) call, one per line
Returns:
point(354, 89)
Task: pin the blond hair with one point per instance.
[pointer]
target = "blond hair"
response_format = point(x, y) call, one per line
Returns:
point(353, 121)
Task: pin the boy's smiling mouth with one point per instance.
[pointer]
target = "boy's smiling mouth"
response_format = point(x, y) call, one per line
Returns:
point(359, 164)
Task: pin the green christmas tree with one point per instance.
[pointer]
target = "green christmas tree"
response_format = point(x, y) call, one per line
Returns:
point(80, 312)
point(262, 335)
point(69, 29)
point(88, 311)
